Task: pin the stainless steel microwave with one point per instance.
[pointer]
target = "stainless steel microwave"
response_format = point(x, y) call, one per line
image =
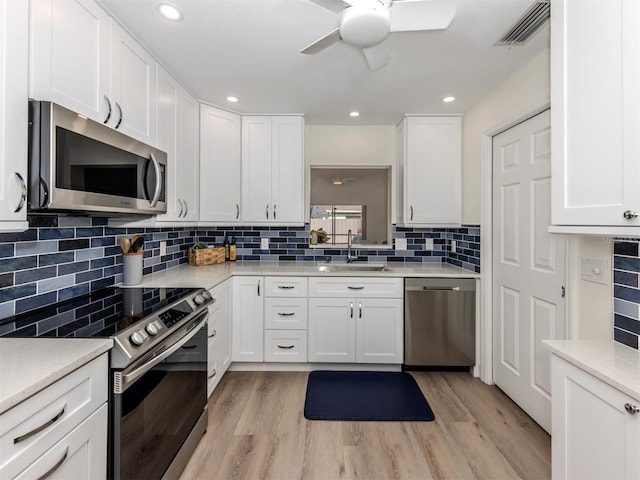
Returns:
point(79, 165)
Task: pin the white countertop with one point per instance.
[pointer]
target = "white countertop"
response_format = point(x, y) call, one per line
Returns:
point(611, 362)
point(28, 365)
point(208, 276)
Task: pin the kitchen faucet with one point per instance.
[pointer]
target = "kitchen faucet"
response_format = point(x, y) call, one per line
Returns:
point(350, 257)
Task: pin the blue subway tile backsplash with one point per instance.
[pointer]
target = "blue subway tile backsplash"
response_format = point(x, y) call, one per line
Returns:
point(626, 291)
point(62, 257)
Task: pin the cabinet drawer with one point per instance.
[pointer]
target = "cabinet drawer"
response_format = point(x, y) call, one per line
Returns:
point(214, 369)
point(80, 454)
point(46, 417)
point(285, 313)
point(355, 287)
point(285, 346)
point(285, 286)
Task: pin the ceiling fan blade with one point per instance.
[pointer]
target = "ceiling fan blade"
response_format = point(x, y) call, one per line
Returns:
point(335, 6)
point(377, 56)
point(413, 15)
point(325, 42)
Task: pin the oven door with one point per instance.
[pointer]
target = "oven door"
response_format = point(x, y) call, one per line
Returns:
point(160, 402)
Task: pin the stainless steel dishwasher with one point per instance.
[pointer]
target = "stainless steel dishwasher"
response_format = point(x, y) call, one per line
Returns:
point(439, 322)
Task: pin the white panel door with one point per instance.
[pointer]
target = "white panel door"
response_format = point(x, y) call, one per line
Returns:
point(248, 319)
point(69, 54)
point(379, 330)
point(219, 165)
point(188, 154)
point(332, 330)
point(256, 168)
point(528, 266)
point(287, 169)
point(14, 18)
point(133, 87)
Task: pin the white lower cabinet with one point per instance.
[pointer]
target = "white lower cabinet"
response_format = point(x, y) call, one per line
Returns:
point(61, 431)
point(219, 334)
point(595, 433)
point(362, 329)
point(285, 321)
point(248, 319)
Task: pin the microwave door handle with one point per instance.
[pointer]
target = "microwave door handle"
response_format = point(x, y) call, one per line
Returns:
point(156, 194)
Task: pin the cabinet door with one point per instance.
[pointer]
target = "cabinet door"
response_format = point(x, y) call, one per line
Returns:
point(432, 175)
point(81, 454)
point(133, 87)
point(219, 165)
point(595, 73)
point(287, 169)
point(222, 317)
point(13, 114)
point(332, 330)
point(168, 91)
point(379, 329)
point(69, 55)
point(256, 169)
point(248, 319)
point(188, 148)
point(593, 435)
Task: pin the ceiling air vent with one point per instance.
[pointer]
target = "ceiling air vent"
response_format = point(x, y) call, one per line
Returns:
point(528, 24)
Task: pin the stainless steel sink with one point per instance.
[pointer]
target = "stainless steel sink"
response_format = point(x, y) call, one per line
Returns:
point(352, 267)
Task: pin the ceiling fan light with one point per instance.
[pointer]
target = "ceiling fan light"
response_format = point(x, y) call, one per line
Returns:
point(169, 12)
point(365, 26)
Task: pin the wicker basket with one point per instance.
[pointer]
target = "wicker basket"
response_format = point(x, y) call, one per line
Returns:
point(205, 256)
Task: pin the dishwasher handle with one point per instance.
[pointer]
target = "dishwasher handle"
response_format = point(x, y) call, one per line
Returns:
point(424, 288)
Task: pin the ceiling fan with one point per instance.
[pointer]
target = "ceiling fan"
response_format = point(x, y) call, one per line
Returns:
point(366, 23)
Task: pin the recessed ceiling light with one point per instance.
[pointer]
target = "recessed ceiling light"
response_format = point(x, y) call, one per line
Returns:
point(232, 99)
point(448, 99)
point(169, 12)
point(354, 114)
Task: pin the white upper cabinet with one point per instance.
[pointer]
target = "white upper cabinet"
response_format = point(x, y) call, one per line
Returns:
point(177, 130)
point(133, 87)
point(14, 24)
point(272, 169)
point(219, 165)
point(595, 96)
point(429, 171)
point(83, 60)
point(69, 56)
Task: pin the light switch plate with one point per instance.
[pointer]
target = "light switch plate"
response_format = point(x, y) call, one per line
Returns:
point(593, 270)
point(428, 244)
point(163, 248)
point(401, 243)
point(264, 243)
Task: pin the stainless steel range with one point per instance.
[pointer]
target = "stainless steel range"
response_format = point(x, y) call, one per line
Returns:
point(158, 376)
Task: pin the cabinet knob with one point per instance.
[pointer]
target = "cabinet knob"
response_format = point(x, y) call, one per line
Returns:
point(632, 409)
point(630, 214)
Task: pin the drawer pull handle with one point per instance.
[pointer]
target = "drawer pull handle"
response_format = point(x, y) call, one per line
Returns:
point(632, 409)
point(350, 287)
point(286, 314)
point(286, 347)
point(213, 334)
point(630, 214)
point(41, 427)
point(285, 287)
point(56, 466)
point(189, 347)
point(213, 374)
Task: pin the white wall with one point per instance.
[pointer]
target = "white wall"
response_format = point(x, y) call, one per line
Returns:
point(527, 87)
point(368, 145)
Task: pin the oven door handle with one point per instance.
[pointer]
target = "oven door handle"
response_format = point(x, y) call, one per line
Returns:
point(142, 369)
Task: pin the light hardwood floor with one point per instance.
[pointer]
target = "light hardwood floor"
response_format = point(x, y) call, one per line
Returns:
point(257, 431)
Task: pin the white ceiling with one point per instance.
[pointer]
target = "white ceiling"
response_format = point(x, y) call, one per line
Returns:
point(250, 49)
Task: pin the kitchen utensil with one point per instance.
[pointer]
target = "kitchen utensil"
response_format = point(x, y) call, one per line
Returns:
point(125, 244)
point(136, 243)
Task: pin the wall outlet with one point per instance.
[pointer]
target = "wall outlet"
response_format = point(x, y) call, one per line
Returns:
point(401, 243)
point(163, 248)
point(264, 244)
point(453, 246)
point(428, 244)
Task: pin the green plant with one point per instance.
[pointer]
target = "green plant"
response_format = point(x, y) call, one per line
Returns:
point(322, 235)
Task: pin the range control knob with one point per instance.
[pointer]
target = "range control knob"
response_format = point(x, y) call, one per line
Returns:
point(152, 329)
point(138, 337)
point(199, 299)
